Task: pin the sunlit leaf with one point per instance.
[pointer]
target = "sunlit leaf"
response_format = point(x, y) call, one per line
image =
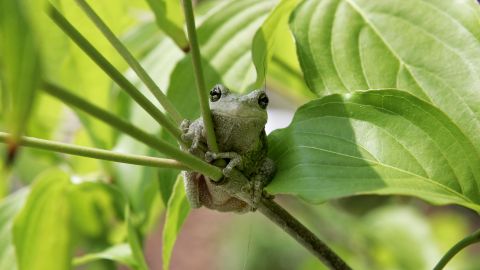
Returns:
point(169, 17)
point(119, 253)
point(177, 211)
point(266, 37)
point(134, 241)
point(430, 48)
point(9, 207)
point(20, 68)
point(42, 233)
point(378, 141)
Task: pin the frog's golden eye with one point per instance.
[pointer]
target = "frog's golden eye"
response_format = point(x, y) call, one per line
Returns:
point(215, 93)
point(263, 100)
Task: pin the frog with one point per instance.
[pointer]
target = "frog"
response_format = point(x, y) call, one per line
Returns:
point(239, 126)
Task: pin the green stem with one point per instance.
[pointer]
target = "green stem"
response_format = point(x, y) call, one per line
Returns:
point(199, 79)
point(171, 151)
point(94, 152)
point(465, 242)
point(134, 64)
point(116, 75)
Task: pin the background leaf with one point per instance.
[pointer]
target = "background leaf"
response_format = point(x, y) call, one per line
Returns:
point(42, 232)
point(430, 48)
point(20, 68)
point(119, 253)
point(265, 38)
point(177, 211)
point(169, 17)
point(378, 141)
point(9, 207)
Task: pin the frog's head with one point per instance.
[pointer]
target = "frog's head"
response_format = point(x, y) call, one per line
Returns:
point(251, 106)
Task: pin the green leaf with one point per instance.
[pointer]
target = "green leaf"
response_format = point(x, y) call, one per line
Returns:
point(169, 18)
point(42, 232)
point(20, 69)
point(119, 253)
point(177, 211)
point(265, 38)
point(378, 141)
point(134, 241)
point(430, 48)
point(9, 207)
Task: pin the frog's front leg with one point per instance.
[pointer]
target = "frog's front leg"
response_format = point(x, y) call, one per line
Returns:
point(192, 133)
point(235, 160)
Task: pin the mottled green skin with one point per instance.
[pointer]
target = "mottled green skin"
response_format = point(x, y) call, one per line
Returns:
point(239, 124)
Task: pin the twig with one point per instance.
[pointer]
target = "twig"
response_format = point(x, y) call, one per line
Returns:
point(94, 152)
point(299, 232)
point(465, 242)
point(132, 62)
point(199, 79)
point(235, 186)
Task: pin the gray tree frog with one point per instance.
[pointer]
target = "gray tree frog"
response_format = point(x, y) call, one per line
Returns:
point(239, 124)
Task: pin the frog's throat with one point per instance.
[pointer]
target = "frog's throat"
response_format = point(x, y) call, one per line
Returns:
point(233, 115)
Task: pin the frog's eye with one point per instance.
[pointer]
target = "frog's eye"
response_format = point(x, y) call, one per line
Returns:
point(263, 100)
point(215, 93)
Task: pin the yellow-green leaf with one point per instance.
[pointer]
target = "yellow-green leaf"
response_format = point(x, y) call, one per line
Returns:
point(42, 230)
point(177, 211)
point(170, 18)
point(20, 70)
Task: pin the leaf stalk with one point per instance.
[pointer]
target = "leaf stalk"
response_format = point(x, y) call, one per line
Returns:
point(113, 73)
point(465, 242)
point(94, 152)
point(132, 62)
point(112, 120)
point(199, 77)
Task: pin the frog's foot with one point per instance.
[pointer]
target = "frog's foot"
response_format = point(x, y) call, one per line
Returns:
point(185, 125)
point(235, 160)
point(255, 189)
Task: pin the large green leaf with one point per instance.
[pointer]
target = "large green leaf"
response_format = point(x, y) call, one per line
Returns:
point(9, 208)
point(20, 69)
point(430, 48)
point(177, 211)
point(169, 17)
point(42, 232)
point(378, 141)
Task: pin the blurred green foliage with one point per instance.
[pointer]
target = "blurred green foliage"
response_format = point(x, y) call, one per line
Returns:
point(66, 211)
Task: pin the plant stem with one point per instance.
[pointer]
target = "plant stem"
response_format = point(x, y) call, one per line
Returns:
point(94, 152)
point(299, 232)
point(199, 79)
point(171, 151)
point(113, 73)
point(134, 64)
point(465, 242)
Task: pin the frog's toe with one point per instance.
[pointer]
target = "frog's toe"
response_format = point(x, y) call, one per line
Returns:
point(210, 156)
point(185, 125)
point(227, 171)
